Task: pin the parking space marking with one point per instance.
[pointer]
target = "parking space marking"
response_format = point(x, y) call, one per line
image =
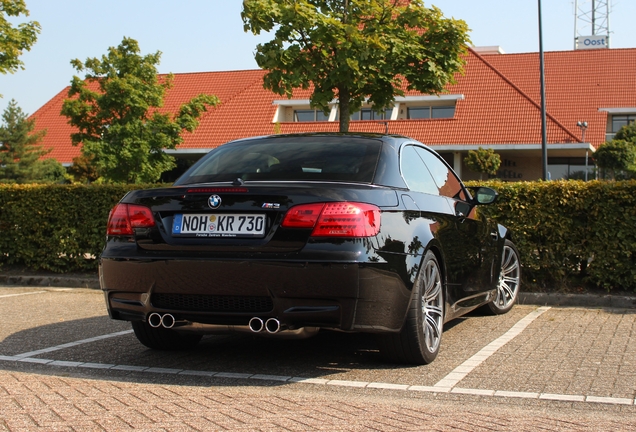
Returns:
point(446, 385)
point(21, 294)
point(460, 372)
point(71, 344)
point(325, 382)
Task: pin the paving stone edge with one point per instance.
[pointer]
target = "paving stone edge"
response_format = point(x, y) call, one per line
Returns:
point(528, 298)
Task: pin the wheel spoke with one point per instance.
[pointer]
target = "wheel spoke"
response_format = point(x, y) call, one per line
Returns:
point(506, 292)
point(509, 278)
point(434, 293)
point(432, 306)
point(433, 333)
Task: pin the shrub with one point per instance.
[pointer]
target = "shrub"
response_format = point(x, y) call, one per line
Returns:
point(60, 228)
point(568, 230)
point(565, 230)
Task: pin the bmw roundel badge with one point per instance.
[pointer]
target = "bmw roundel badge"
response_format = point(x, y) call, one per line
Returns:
point(214, 201)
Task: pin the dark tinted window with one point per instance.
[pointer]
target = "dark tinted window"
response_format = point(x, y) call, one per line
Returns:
point(339, 158)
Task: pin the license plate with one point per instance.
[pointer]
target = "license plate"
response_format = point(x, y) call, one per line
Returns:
point(219, 225)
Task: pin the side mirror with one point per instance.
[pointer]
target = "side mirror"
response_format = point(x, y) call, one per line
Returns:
point(484, 195)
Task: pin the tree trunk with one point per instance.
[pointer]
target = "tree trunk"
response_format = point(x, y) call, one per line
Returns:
point(345, 115)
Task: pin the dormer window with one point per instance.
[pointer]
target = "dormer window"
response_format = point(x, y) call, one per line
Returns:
point(310, 115)
point(404, 108)
point(617, 118)
point(430, 112)
point(369, 114)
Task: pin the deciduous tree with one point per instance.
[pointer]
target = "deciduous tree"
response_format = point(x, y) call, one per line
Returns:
point(483, 161)
point(617, 158)
point(356, 49)
point(14, 40)
point(116, 109)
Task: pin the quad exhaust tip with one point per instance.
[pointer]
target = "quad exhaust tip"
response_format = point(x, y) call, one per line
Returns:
point(256, 325)
point(156, 320)
point(272, 325)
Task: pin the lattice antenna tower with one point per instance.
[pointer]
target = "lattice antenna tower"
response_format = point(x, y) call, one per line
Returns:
point(591, 18)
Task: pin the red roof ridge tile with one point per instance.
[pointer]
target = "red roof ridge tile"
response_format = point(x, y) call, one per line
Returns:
point(523, 93)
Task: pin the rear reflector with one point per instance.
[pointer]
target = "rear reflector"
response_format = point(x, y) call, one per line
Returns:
point(339, 219)
point(125, 217)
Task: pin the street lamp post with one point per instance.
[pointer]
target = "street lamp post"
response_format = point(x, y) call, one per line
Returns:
point(544, 133)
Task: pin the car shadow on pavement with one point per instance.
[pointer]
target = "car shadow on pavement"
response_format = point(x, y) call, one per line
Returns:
point(329, 354)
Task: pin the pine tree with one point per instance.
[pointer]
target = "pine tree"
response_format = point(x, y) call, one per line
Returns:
point(20, 151)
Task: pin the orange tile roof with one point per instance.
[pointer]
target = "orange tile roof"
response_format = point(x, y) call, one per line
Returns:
point(500, 105)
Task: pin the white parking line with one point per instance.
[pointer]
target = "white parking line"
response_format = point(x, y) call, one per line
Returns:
point(21, 294)
point(460, 372)
point(336, 383)
point(72, 344)
point(443, 386)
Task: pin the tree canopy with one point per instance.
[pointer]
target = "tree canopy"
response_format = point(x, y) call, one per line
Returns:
point(357, 51)
point(484, 161)
point(116, 109)
point(21, 152)
point(617, 158)
point(15, 40)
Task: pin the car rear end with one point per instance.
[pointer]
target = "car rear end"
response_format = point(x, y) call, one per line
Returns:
point(272, 235)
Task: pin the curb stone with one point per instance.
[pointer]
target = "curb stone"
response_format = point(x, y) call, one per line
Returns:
point(50, 281)
point(578, 300)
point(525, 298)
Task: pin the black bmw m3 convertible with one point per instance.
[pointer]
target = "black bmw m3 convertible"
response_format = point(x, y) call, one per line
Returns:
point(288, 234)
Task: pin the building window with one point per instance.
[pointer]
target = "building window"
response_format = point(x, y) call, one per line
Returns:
point(570, 169)
point(369, 114)
point(618, 121)
point(430, 112)
point(309, 116)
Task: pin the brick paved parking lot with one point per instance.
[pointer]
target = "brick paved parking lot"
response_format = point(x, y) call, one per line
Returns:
point(64, 365)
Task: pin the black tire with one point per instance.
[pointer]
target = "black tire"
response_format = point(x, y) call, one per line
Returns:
point(419, 340)
point(509, 280)
point(160, 338)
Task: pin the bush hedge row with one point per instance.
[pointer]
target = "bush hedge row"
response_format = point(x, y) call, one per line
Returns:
point(55, 227)
point(571, 231)
point(566, 231)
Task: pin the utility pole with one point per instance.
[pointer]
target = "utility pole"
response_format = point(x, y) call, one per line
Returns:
point(544, 131)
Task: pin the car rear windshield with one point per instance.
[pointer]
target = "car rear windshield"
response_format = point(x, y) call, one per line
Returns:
point(338, 158)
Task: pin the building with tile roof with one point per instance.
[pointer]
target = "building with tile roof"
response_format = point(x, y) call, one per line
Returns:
point(494, 104)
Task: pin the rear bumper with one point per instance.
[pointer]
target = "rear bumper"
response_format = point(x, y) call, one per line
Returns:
point(346, 296)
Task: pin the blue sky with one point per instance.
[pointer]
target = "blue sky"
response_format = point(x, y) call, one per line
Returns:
point(207, 35)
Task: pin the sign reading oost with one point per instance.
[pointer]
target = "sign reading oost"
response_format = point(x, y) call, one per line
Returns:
point(592, 42)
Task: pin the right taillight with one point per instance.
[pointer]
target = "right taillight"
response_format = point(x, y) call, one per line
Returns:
point(125, 217)
point(337, 219)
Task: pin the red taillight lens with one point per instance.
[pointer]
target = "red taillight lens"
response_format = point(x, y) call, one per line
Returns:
point(124, 217)
point(303, 216)
point(340, 219)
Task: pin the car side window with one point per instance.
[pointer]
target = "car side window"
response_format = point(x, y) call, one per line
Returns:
point(445, 179)
point(417, 176)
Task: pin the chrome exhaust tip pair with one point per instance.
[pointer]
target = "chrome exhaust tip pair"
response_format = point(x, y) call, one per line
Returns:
point(156, 320)
point(272, 325)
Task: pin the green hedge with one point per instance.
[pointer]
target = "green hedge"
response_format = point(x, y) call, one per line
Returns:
point(60, 228)
point(566, 231)
point(571, 231)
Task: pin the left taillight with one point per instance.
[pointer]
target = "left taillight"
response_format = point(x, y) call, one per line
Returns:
point(335, 219)
point(125, 217)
